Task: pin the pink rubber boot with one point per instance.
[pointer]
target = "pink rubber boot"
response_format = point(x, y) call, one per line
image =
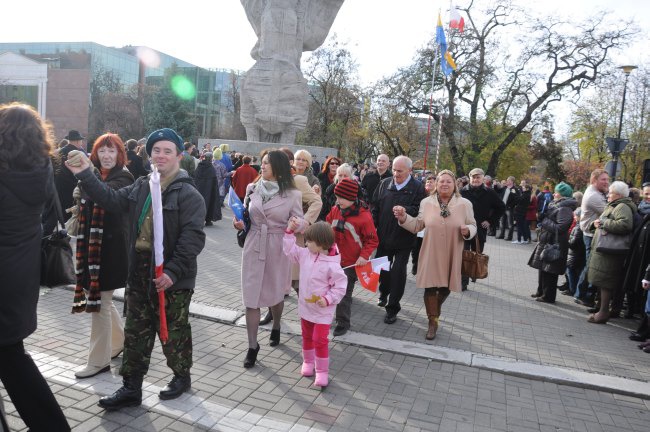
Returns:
point(322, 369)
point(307, 369)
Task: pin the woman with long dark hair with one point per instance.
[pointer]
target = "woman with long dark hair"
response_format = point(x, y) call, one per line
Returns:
point(102, 258)
point(26, 185)
point(266, 274)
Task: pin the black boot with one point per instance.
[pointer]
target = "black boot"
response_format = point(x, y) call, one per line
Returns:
point(643, 332)
point(130, 394)
point(176, 387)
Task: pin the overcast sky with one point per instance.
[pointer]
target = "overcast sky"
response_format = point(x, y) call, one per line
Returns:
point(382, 34)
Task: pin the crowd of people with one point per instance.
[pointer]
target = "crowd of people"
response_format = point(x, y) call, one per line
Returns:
point(326, 219)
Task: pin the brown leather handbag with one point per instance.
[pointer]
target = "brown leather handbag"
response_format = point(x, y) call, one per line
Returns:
point(475, 264)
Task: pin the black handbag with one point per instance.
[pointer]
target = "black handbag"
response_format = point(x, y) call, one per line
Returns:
point(57, 267)
point(613, 244)
point(551, 251)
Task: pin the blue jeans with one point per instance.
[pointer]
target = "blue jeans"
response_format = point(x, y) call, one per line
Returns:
point(647, 305)
point(572, 276)
point(583, 288)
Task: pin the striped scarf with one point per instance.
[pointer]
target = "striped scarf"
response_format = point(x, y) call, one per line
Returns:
point(89, 259)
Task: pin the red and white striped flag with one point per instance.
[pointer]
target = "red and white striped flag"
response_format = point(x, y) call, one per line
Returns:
point(158, 248)
point(456, 20)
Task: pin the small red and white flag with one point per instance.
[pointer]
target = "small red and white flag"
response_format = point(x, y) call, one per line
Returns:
point(158, 248)
point(456, 20)
point(368, 274)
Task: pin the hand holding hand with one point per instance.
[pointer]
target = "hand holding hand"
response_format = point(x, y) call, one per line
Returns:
point(294, 223)
point(464, 230)
point(238, 224)
point(77, 161)
point(400, 213)
point(163, 282)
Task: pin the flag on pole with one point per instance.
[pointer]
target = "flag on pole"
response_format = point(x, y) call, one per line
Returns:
point(368, 274)
point(456, 20)
point(235, 204)
point(447, 64)
point(158, 248)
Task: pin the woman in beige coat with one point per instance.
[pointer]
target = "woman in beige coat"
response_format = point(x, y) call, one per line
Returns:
point(449, 220)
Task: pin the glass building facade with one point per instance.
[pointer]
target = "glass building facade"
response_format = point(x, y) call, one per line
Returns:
point(213, 102)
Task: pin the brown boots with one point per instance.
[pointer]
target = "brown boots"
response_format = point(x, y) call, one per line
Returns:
point(433, 300)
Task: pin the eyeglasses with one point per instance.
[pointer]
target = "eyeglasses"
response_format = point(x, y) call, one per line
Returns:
point(302, 160)
point(334, 163)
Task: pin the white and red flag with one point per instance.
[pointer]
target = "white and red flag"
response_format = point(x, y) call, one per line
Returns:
point(456, 20)
point(368, 274)
point(158, 248)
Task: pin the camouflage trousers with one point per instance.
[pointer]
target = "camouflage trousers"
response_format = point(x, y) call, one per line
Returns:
point(143, 323)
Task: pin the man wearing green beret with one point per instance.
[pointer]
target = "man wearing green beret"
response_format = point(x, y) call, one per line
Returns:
point(183, 240)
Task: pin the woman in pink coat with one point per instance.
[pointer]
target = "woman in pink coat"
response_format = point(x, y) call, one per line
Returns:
point(322, 286)
point(271, 201)
point(449, 220)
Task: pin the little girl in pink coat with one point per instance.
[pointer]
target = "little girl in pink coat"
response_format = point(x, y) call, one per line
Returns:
point(322, 286)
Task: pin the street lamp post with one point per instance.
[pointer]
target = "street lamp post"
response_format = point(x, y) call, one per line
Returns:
point(618, 145)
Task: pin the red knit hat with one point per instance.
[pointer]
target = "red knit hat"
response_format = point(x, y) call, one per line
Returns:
point(347, 189)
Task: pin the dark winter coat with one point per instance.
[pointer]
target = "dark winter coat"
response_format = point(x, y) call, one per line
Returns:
point(205, 178)
point(487, 207)
point(23, 196)
point(183, 220)
point(113, 261)
point(558, 217)
point(135, 165)
point(523, 201)
point(638, 258)
point(329, 200)
point(371, 181)
point(391, 235)
point(606, 271)
point(577, 253)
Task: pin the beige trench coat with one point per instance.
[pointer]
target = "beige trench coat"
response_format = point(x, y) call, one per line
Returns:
point(311, 205)
point(441, 255)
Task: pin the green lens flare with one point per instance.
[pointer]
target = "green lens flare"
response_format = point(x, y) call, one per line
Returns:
point(183, 87)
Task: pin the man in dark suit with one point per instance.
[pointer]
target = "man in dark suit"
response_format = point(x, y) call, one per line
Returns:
point(509, 195)
point(488, 208)
point(64, 181)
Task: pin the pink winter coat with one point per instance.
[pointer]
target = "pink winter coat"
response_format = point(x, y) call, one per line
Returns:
point(320, 275)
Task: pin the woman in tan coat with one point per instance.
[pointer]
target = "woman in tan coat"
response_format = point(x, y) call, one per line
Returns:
point(449, 220)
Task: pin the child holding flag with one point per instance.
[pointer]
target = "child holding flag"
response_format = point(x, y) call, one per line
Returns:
point(322, 285)
point(356, 238)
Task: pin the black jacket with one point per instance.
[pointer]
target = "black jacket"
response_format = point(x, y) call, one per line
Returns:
point(558, 220)
point(391, 235)
point(65, 180)
point(23, 196)
point(513, 196)
point(371, 181)
point(183, 220)
point(114, 258)
point(205, 178)
point(487, 206)
point(135, 165)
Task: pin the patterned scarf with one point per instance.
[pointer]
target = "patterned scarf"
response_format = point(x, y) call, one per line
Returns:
point(89, 259)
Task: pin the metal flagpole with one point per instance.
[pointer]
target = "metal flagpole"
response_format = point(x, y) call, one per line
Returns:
point(436, 63)
point(440, 116)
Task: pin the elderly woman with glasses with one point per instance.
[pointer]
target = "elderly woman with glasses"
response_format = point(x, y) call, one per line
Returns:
point(449, 221)
point(302, 166)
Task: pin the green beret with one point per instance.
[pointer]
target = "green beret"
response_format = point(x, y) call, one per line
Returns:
point(564, 189)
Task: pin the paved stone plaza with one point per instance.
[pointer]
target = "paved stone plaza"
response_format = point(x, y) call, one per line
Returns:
point(500, 362)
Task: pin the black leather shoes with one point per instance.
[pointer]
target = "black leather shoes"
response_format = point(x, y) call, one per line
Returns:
point(130, 394)
point(251, 357)
point(381, 302)
point(638, 337)
point(274, 339)
point(267, 318)
point(339, 330)
point(176, 387)
point(390, 319)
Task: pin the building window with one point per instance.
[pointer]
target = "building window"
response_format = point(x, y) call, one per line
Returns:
point(16, 93)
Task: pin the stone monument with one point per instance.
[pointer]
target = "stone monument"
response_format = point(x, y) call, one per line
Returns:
point(274, 94)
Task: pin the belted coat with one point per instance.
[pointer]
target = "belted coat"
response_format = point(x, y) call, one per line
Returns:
point(266, 271)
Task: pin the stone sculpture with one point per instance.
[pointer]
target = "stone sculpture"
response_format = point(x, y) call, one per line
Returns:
point(274, 94)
